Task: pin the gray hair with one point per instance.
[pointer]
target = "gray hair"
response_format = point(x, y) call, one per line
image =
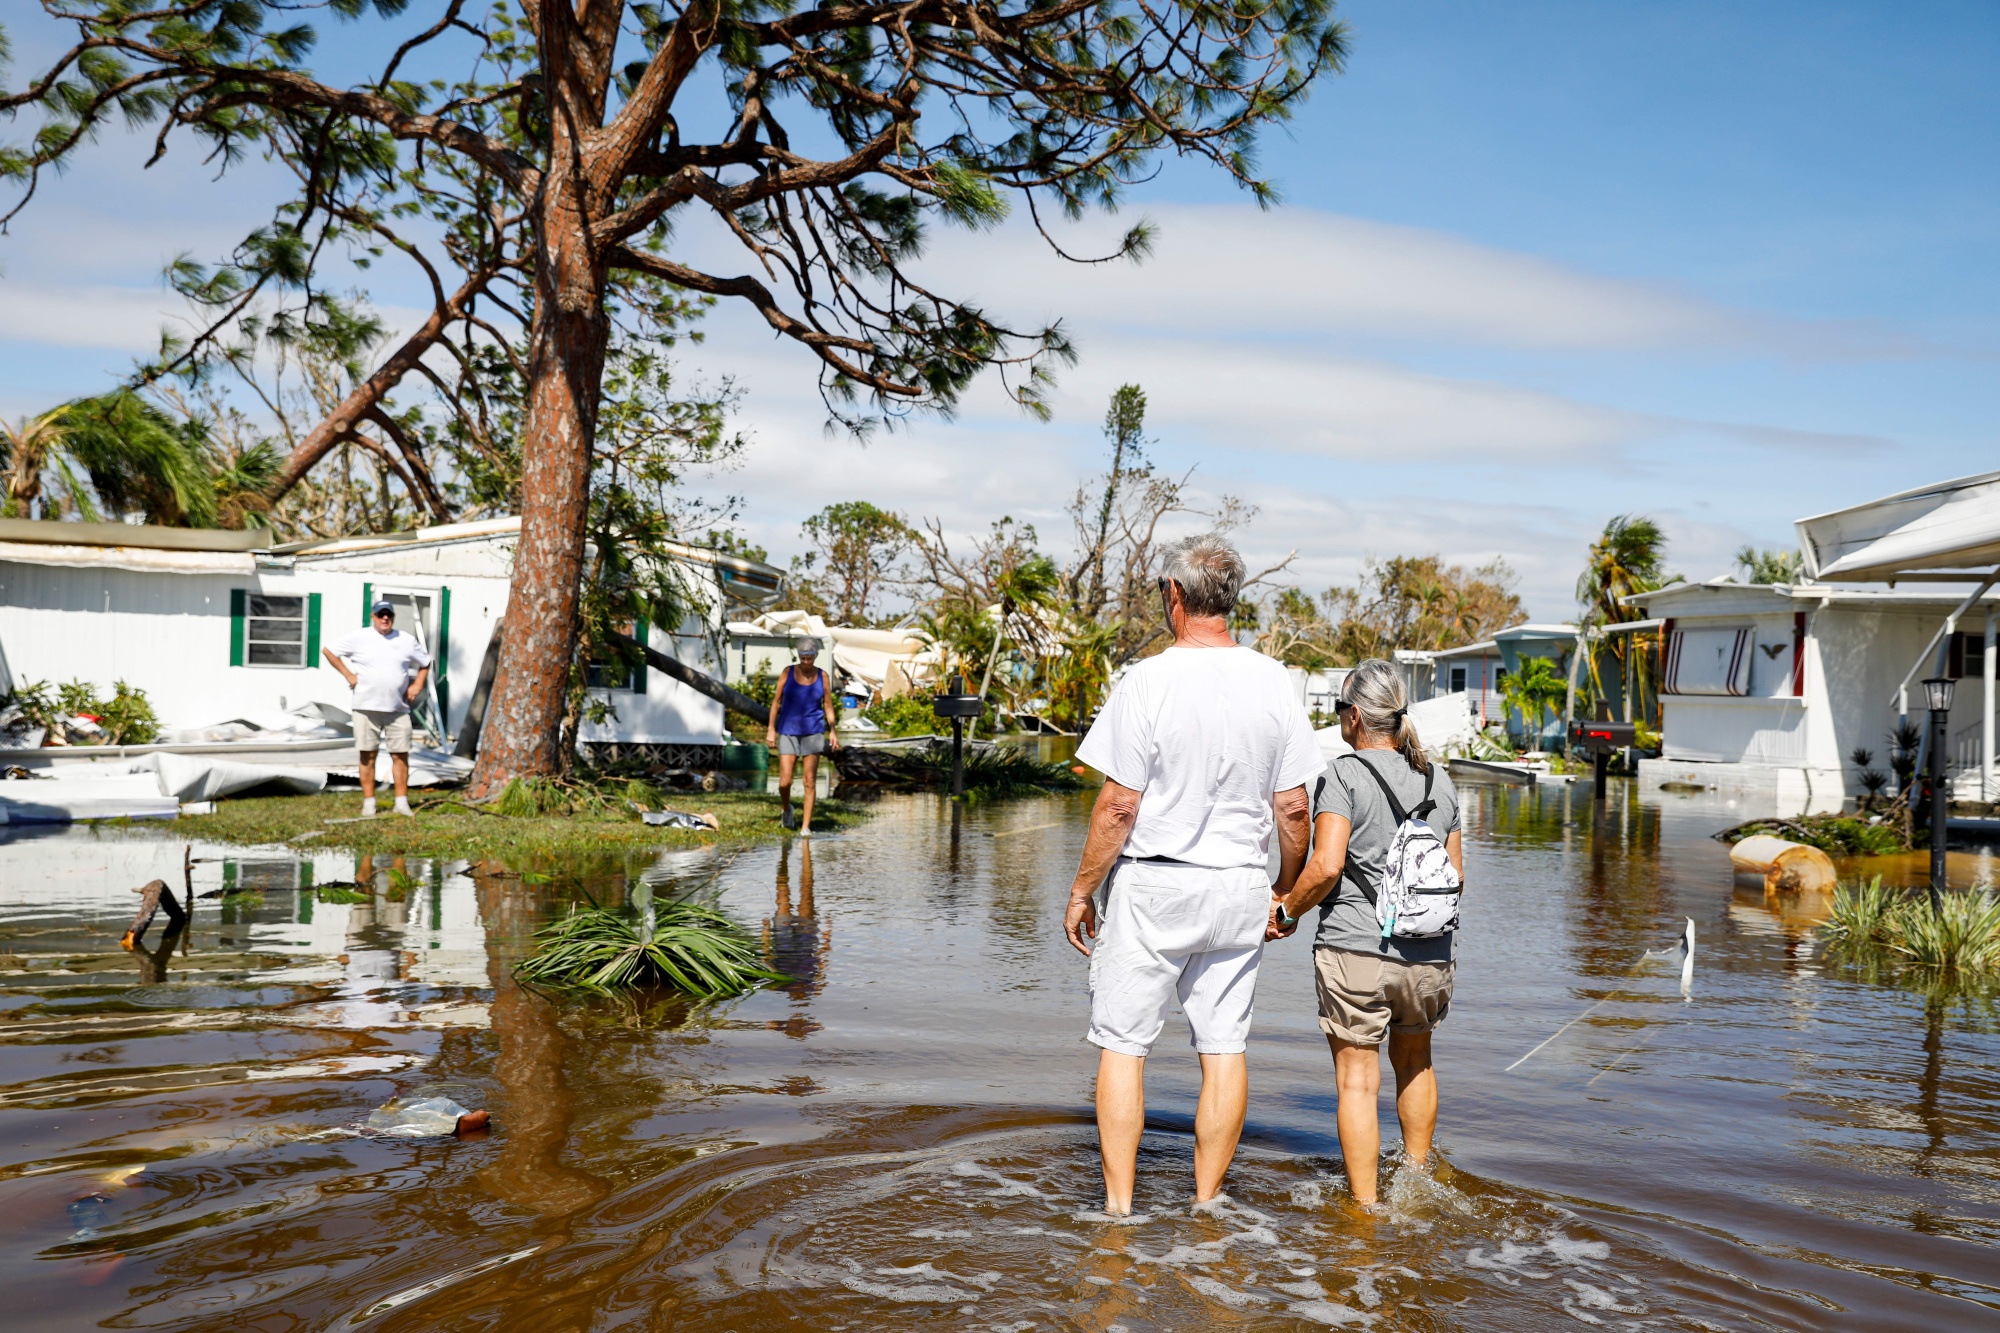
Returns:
point(806, 645)
point(1374, 690)
point(1210, 574)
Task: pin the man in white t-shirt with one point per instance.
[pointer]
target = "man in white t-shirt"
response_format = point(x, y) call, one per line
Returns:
point(1206, 752)
point(386, 669)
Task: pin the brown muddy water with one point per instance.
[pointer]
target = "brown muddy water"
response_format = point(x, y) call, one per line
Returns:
point(900, 1138)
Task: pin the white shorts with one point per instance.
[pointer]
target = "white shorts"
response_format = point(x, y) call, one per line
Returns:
point(381, 731)
point(1172, 931)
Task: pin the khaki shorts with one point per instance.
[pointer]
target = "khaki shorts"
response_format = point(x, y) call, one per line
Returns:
point(1363, 995)
point(381, 731)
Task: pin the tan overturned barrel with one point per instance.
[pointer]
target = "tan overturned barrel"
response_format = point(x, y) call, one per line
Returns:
point(1787, 867)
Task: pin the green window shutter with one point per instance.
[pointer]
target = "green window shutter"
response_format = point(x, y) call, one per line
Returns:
point(441, 653)
point(639, 631)
point(367, 601)
point(312, 629)
point(239, 607)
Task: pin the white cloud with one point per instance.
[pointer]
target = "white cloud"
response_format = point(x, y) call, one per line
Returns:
point(1240, 270)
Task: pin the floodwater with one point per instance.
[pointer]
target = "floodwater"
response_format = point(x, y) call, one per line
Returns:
point(900, 1138)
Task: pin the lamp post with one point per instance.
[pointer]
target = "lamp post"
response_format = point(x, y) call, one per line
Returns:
point(1937, 690)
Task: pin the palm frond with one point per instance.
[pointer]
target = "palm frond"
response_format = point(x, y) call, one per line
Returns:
point(692, 948)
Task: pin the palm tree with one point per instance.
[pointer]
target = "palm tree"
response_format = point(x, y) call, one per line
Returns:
point(1628, 557)
point(1533, 691)
point(121, 454)
point(1031, 586)
point(29, 448)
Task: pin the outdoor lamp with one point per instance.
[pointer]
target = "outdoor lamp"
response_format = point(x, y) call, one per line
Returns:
point(1939, 689)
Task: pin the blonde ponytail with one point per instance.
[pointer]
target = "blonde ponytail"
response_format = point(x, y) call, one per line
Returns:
point(1375, 691)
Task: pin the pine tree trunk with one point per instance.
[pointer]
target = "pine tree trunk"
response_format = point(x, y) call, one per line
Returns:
point(522, 736)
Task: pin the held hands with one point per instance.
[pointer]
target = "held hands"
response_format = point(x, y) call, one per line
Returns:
point(1080, 921)
point(1276, 929)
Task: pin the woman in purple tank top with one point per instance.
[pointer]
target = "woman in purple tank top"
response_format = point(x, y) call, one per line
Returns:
point(802, 720)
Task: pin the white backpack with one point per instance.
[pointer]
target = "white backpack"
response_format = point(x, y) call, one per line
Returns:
point(1419, 895)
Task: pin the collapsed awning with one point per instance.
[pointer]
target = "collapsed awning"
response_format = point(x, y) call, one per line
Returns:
point(1949, 529)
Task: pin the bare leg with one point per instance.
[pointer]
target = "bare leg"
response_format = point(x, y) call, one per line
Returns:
point(399, 767)
point(1121, 1117)
point(812, 785)
point(367, 761)
point(1358, 1072)
point(785, 765)
point(1416, 1092)
point(1218, 1120)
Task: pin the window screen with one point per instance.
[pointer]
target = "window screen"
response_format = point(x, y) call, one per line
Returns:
point(275, 631)
point(1458, 680)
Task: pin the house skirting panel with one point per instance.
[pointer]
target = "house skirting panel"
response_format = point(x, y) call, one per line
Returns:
point(654, 754)
point(1794, 789)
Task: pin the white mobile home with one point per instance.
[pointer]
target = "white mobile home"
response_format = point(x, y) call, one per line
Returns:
point(219, 625)
point(1772, 689)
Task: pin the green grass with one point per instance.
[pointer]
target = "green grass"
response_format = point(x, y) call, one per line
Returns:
point(444, 826)
point(691, 948)
point(1896, 935)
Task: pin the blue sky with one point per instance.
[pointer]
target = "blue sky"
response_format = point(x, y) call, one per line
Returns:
point(1538, 264)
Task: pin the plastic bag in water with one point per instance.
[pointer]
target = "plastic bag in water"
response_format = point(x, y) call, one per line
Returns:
point(424, 1119)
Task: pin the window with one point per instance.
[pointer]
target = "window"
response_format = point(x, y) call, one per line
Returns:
point(274, 631)
point(1458, 680)
point(608, 671)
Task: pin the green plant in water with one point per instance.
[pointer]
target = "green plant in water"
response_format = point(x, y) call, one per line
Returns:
point(690, 947)
point(1954, 946)
point(1860, 913)
point(400, 884)
point(1961, 934)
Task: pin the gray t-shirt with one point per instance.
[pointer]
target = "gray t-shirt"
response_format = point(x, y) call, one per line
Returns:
point(1346, 917)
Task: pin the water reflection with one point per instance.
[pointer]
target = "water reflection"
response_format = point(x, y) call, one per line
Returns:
point(529, 1064)
point(903, 1140)
point(797, 943)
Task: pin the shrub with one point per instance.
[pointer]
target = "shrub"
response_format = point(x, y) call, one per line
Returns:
point(126, 718)
point(904, 715)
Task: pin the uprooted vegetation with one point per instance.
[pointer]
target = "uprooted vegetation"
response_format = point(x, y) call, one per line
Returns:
point(1836, 835)
point(684, 946)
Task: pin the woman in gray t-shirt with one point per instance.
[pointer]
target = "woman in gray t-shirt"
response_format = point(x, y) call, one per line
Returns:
point(1370, 986)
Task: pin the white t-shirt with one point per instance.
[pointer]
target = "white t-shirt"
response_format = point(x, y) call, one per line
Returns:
point(1206, 736)
point(383, 667)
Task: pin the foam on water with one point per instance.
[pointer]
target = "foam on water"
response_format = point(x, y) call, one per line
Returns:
point(1000, 1236)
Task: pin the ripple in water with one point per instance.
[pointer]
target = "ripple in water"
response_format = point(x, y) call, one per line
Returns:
point(1003, 1234)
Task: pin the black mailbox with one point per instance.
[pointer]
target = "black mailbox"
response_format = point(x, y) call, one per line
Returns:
point(956, 705)
point(1602, 737)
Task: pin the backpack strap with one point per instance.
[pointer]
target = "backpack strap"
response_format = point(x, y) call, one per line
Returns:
point(1395, 806)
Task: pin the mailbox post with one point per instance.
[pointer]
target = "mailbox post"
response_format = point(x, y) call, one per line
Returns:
point(1600, 739)
point(958, 704)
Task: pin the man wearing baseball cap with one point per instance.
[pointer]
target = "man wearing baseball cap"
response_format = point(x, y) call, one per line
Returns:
point(386, 669)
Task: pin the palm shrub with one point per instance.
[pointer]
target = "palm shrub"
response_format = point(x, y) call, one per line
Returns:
point(1860, 914)
point(1960, 936)
point(688, 947)
point(1962, 933)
